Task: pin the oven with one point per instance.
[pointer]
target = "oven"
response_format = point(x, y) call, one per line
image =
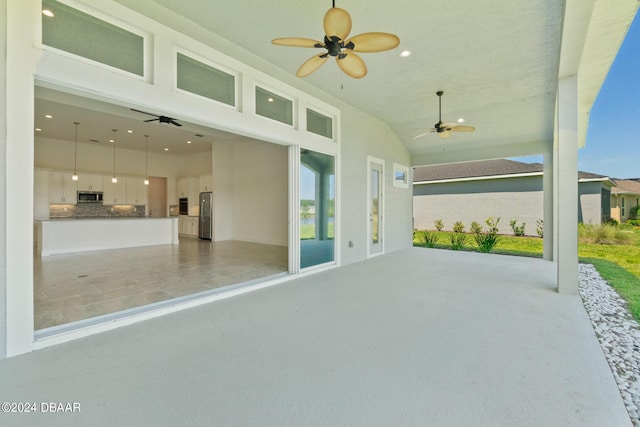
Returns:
point(183, 206)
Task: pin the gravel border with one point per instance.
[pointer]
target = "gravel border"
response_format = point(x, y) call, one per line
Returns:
point(618, 333)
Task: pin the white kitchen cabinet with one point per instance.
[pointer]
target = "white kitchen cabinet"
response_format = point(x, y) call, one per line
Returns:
point(187, 186)
point(62, 188)
point(206, 183)
point(136, 191)
point(115, 193)
point(188, 226)
point(193, 226)
point(91, 182)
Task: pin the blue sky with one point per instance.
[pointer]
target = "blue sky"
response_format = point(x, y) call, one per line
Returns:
point(613, 137)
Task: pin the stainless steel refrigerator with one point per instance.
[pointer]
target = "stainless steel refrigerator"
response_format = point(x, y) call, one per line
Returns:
point(205, 225)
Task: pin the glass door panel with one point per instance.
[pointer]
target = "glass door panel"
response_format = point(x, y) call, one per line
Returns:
point(317, 208)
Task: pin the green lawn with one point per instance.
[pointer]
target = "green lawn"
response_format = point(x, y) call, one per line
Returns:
point(618, 264)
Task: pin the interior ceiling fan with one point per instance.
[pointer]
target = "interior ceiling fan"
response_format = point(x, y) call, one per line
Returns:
point(443, 130)
point(337, 25)
point(161, 119)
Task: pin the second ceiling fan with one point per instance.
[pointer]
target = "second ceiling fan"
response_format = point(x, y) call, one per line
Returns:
point(443, 130)
point(337, 26)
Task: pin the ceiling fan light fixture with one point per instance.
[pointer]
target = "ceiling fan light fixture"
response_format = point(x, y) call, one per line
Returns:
point(337, 26)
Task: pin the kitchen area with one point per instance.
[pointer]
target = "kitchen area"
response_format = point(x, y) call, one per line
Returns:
point(131, 214)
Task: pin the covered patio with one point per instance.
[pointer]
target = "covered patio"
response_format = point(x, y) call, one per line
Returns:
point(415, 337)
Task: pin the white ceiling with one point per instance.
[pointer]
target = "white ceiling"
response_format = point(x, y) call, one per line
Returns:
point(97, 120)
point(496, 61)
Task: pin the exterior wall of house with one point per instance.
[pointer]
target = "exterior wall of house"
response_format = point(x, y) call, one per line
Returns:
point(3, 177)
point(590, 203)
point(630, 201)
point(518, 198)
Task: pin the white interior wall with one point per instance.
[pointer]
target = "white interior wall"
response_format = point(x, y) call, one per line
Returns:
point(222, 192)
point(260, 193)
point(196, 165)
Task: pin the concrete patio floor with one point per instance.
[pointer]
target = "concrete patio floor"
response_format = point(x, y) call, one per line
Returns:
point(415, 338)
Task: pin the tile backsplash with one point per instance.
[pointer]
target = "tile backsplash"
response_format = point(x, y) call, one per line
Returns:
point(95, 210)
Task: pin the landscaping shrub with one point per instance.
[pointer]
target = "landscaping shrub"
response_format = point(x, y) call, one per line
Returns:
point(475, 228)
point(457, 240)
point(439, 224)
point(540, 228)
point(458, 227)
point(488, 239)
point(634, 222)
point(603, 234)
point(518, 230)
point(426, 238)
point(633, 212)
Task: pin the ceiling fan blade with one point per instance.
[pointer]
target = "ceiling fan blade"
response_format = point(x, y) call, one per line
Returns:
point(337, 22)
point(312, 64)
point(463, 128)
point(421, 135)
point(173, 122)
point(352, 65)
point(143, 112)
point(151, 120)
point(444, 134)
point(373, 42)
point(297, 42)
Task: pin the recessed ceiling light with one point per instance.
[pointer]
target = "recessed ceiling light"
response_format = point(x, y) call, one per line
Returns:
point(48, 116)
point(460, 120)
point(111, 140)
point(270, 99)
point(38, 130)
point(166, 149)
point(405, 53)
point(129, 131)
point(48, 13)
point(188, 142)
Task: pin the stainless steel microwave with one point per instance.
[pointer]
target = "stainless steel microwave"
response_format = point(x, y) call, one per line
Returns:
point(89, 196)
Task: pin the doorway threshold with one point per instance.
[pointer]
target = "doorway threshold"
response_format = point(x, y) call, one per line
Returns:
point(86, 327)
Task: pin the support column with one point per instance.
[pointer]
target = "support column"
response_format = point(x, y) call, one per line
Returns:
point(565, 156)
point(21, 58)
point(548, 196)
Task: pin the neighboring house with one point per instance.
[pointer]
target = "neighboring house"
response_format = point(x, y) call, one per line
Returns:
point(625, 195)
point(474, 191)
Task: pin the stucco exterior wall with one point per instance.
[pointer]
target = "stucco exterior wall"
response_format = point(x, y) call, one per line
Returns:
point(590, 203)
point(513, 198)
point(519, 198)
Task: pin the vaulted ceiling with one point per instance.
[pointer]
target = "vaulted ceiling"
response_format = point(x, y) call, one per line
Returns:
point(497, 62)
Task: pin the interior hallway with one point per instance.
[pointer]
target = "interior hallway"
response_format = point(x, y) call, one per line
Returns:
point(414, 338)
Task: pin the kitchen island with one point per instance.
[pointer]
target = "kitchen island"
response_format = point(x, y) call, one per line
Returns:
point(59, 236)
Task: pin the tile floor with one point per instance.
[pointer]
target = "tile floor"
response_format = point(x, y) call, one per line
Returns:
point(71, 287)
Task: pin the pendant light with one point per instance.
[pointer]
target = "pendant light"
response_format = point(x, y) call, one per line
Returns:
point(114, 179)
point(75, 161)
point(146, 160)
